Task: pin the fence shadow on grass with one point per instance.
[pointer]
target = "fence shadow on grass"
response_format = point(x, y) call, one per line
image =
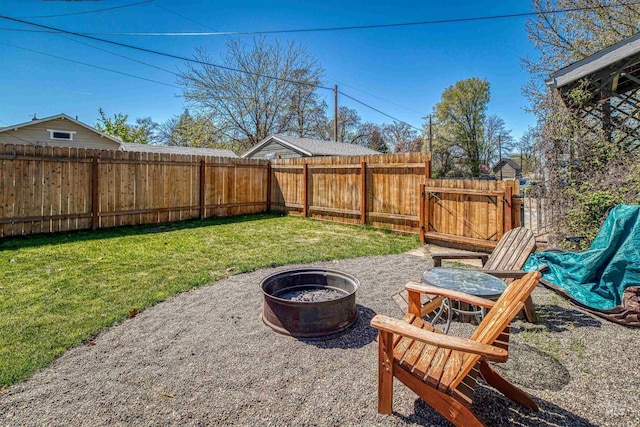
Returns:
point(18, 242)
point(359, 335)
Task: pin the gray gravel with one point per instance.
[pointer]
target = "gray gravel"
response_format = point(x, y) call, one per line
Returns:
point(205, 358)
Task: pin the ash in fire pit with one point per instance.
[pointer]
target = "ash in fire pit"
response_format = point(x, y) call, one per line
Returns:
point(309, 302)
point(311, 293)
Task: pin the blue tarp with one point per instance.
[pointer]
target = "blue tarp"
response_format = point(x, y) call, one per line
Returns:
point(598, 277)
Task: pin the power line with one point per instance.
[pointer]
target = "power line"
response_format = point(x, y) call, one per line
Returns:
point(183, 16)
point(120, 55)
point(378, 97)
point(357, 27)
point(57, 30)
point(378, 111)
point(88, 11)
point(90, 65)
point(169, 55)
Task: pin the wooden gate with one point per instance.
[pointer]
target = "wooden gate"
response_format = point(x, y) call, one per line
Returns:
point(469, 214)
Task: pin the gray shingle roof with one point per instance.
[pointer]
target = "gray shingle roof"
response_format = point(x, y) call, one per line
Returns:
point(508, 161)
point(315, 147)
point(168, 149)
point(319, 147)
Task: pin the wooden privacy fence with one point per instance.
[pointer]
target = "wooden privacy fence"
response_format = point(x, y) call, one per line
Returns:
point(47, 189)
point(378, 190)
point(468, 213)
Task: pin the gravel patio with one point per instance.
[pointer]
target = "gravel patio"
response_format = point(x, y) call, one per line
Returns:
point(204, 357)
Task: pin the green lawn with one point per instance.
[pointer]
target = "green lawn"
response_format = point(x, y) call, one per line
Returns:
point(58, 291)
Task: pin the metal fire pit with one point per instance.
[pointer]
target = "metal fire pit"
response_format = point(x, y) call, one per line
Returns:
point(309, 302)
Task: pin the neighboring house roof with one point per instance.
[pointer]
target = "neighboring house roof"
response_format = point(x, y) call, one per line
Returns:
point(313, 147)
point(507, 161)
point(60, 116)
point(598, 61)
point(170, 149)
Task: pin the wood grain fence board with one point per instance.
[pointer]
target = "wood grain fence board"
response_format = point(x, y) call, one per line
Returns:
point(470, 212)
point(336, 184)
point(49, 189)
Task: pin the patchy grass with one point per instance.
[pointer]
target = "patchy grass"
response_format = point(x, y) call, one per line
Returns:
point(58, 291)
point(543, 341)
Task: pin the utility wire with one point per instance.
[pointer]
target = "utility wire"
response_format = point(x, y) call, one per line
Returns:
point(380, 98)
point(361, 27)
point(58, 30)
point(155, 52)
point(183, 16)
point(203, 25)
point(378, 111)
point(120, 55)
point(88, 11)
point(90, 65)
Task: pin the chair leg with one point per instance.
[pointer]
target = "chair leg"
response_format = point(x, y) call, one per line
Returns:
point(385, 372)
point(505, 387)
point(449, 407)
point(529, 311)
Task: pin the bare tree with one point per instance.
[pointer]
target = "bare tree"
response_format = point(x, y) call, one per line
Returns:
point(402, 138)
point(308, 111)
point(372, 136)
point(272, 93)
point(349, 123)
point(496, 137)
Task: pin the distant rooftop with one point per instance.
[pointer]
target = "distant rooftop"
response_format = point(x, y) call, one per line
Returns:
point(170, 149)
point(507, 161)
point(314, 147)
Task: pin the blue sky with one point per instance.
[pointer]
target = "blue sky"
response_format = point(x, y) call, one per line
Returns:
point(401, 71)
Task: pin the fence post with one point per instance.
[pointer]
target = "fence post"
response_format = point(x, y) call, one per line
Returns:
point(269, 187)
point(422, 214)
point(363, 193)
point(508, 199)
point(203, 183)
point(305, 190)
point(424, 202)
point(95, 194)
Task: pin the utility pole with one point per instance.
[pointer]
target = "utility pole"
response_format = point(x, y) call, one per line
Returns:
point(430, 133)
point(335, 113)
point(521, 158)
point(500, 157)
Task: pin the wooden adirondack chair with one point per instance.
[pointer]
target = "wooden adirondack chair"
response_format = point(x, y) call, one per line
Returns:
point(443, 369)
point(505, 261)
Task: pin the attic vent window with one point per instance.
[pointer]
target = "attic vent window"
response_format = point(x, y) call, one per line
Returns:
point(61, 134)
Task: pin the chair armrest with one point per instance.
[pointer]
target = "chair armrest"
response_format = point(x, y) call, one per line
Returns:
point(506, 274)
point(437, 259)
point(458, 296)
point(399, 327)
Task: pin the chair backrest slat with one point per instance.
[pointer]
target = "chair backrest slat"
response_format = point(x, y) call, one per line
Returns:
point(512, 250)
point(499, 317)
